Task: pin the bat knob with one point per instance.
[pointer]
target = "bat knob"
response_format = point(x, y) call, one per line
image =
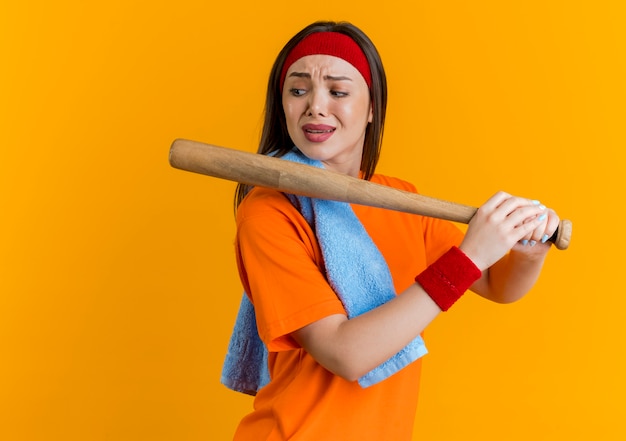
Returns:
point(562, 235)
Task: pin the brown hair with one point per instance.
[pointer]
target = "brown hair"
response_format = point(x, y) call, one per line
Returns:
point(274, 136)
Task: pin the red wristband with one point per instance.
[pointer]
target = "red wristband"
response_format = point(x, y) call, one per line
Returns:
point(447, 279)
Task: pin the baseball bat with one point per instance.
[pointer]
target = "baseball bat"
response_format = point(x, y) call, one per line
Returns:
point(306, 180)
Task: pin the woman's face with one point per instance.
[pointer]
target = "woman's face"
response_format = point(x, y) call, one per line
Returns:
point(327, 108)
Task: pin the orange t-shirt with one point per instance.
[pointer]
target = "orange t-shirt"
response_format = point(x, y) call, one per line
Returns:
point(281, 269)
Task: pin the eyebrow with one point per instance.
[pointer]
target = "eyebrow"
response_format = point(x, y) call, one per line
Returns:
point(326, 77)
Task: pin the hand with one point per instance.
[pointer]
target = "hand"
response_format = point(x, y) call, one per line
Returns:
point(504, 222)
point(537, 241)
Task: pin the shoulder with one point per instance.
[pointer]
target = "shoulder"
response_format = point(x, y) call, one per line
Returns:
point(264, 202)
point(394, 182)
point(269, 214)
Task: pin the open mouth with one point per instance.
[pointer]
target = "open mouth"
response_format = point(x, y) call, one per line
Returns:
point(318, 128)
point(317, 132)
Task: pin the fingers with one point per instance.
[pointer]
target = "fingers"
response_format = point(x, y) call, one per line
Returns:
point(551, 225)
point(505, 222)
point(519, 215)
point(533, 220)
point(498, 225)
point(548, 222)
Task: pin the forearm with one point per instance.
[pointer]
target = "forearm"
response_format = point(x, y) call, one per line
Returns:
point(351, 348)
point(509, 279)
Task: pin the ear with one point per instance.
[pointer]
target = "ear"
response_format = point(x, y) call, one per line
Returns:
point(370, 117)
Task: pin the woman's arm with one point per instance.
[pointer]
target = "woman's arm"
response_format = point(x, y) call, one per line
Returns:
point(512, 276)
point(351, 348)
point(509, 279)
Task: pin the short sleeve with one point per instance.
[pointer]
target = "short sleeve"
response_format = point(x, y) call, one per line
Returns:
point(281, 267)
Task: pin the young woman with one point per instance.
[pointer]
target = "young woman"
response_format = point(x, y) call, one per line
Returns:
point(340, 293)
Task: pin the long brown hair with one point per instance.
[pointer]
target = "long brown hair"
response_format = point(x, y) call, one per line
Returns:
point(274, 136)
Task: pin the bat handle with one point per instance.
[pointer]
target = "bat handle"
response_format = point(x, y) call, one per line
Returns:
point(562, 235)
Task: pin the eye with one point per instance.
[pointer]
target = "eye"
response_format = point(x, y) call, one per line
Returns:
point(297, 92)
point(338, 93)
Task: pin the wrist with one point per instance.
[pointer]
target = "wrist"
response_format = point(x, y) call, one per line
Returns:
point(447, 279)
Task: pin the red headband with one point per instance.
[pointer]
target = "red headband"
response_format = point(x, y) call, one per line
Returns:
point(329, 43)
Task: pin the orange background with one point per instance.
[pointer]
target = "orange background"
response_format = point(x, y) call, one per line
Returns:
point(118, 286)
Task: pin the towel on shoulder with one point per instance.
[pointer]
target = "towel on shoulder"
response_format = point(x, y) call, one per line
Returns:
point(358, 274)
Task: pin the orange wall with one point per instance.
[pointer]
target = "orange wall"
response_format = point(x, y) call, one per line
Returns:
point(118, 288)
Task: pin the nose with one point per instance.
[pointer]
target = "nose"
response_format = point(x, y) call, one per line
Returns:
point(317, 104)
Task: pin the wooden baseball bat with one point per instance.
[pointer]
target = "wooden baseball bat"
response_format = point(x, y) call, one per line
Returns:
point(306, 180)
